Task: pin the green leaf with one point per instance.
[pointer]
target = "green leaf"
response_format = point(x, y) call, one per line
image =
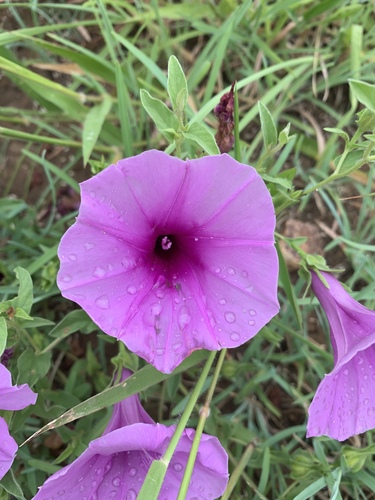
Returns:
point(3, 334)
point(199, 133)
point(10, 485)
point(147, 377)
point(338, 131)
point(73, 322)
point(284, 137)
point(177, 86)
point(24, 299)
point(92, 126)
point(268, 126)
point(32, 366)
point(165, 120)
point(364, 92)
point(153, 481)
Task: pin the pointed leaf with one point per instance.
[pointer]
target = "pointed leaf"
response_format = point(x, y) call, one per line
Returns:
point(92, 126)
point(268, 126)
point(177, 85)
point(3, 334)
point(364, 92)
point(199, 133)
point(165, 121)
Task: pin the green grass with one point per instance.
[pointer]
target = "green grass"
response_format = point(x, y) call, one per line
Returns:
point(80, 69)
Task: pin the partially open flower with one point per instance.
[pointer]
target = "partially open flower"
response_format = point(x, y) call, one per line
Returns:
point(12, 397)
point(8, 448)
point(115, 465)
point(344, 404)
point(170, 256)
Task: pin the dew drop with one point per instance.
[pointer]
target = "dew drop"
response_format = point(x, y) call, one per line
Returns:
point(61, 492)
point(229, 317)
point(235, 336)
point(67, 278)
point(128, 263)
point(365, 401)
point(80, 479)
point(89, 246)
point(92, 194)
point(250, 288)
point(217, 270)
point(245, 274)
point(110, 215)
point(160, 351)
point(131, 495)
point(176, 346)
point(82, 488)
point(370, 411)
point(112, 494)
point(99, 272)
point(231, 271)
point(159, 294)
point(72, 257)
point(156, 309)
point(362, 390)
point(195, 239)
point(98, 471)
point(252, 312)
point(251, 322)
point(131, 290)
point(183, 317)
point(132, 472)
point(346, 372)
point(102, 302)
point(177, 467)
point(116, 481)
point(222, 302)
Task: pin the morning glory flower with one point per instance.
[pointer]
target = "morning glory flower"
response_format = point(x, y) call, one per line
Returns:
point(171, 256)
point(344, 404)
point(115, 465)
point(8, 448)
point(11, 398)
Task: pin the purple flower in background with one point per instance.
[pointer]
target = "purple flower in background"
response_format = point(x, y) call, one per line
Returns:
point(170, 256)
point(8, 448)
point(344, 404)
point(11, 398)
point(115, 465)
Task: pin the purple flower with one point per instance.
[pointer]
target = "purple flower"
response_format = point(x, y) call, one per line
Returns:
point(14, 397)
point(171, 256)
point(344, 404)
point(8, 449)
point(115, 465)
point(11, 398)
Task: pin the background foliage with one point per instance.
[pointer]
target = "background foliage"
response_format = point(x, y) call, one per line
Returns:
point(71, 104)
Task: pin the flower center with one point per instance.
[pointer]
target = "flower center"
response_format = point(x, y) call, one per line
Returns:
point(165, 246)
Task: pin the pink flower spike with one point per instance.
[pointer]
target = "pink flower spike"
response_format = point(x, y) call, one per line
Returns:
point(14, 397)
point(344, 404)
point(115, 465)
point(8, 449)
point(171, 256)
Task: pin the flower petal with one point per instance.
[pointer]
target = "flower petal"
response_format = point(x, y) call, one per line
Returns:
point(344, 404)
point(14, 397)
point(8, 449)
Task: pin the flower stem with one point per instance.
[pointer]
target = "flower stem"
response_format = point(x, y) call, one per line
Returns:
point(203, 414)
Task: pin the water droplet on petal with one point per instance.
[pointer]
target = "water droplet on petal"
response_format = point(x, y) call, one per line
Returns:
point(67, 278)
point(131, 495)
point(102, 302)
point(61, 492)
point(183, 317)
point(235, 336)
point(116, 481)
point(132, 472)
point(131, 290)
point(217, 270)
point(72, 257)
point(231, 271)
point(80, 479)
point(177, 467)
point(89, 246)
point(156, 309)
point(251, 322)
point(245, 274)
point(82, 488)
point(346, 372)
point(110, 215)
point(252, 312)
point(160, 351)
point(99, 272)
point(365, 401)
point(176, 346)
point(128, 263)
point(230, 317)
point(159, 294)
point(222, 302)
point(112, 494)
point(92, 194)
